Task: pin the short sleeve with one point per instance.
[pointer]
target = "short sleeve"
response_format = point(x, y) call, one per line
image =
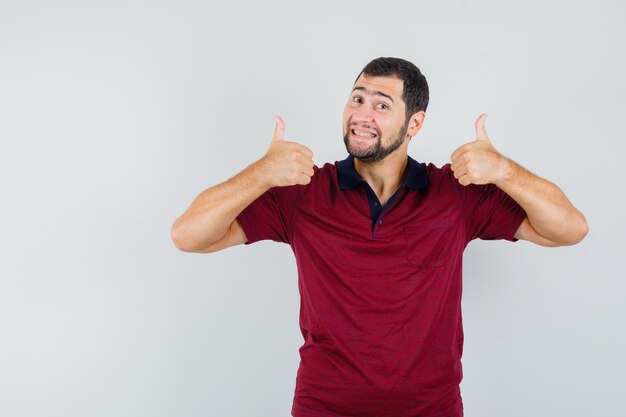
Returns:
point(269, 216)
point(490, 213)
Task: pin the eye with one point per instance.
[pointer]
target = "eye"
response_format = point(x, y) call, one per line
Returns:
point(356, 99)
point(382, 106)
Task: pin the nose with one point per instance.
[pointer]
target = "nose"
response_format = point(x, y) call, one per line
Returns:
point(363, 114)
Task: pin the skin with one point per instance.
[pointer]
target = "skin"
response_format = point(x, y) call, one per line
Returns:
point(551, 219)
point(368, 109)
point(210, 225)
point(376, 105)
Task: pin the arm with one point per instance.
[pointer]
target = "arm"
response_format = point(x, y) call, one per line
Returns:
point(209, 224)
point(551, 220)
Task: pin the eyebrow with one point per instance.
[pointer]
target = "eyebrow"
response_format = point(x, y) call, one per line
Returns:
point(379, 93)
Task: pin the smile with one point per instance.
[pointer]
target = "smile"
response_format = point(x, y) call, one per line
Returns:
point(363, 135)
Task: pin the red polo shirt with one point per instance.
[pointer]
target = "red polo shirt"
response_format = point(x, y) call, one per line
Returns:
point(380, 287)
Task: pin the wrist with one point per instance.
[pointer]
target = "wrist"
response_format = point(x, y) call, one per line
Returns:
point(258, 177)
point(506, 171)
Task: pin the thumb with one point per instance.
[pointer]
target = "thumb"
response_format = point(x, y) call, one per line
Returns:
point(279, 130)
point(481, 132)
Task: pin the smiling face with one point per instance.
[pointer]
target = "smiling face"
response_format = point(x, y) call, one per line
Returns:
point(374, 118)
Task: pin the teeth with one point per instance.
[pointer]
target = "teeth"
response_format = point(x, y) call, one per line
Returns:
point(360, 133)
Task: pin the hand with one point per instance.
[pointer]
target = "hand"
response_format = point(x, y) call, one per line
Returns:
point(286, 163)
point(478, 162)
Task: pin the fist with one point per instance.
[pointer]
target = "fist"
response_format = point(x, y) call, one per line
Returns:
point(478, 162)
point(286, 163)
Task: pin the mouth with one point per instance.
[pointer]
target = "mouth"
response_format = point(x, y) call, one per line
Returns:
point(360, 134)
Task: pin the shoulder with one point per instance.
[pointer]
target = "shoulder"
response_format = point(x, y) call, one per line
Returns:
point(326, 169)
point(440, 178)
point(435, 172)
point(321, 178)
point(323, 175)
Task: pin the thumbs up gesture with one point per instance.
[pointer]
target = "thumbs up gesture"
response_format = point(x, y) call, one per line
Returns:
point(286, 163)
point(478, 162)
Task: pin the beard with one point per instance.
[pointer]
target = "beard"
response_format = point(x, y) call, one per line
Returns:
point(376, 152)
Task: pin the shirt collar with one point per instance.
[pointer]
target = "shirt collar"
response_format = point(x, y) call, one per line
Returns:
point(415, 177)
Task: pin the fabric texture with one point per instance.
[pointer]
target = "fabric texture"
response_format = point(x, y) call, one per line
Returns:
point(380, 307)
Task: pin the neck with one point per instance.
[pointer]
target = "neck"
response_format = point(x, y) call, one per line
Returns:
point(384, 177)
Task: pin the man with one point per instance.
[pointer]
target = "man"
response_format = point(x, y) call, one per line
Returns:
point(378, 240)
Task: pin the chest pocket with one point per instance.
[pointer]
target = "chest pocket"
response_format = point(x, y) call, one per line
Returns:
point(428, 244)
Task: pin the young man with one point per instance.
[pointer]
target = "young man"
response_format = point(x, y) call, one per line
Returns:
point(378, 240)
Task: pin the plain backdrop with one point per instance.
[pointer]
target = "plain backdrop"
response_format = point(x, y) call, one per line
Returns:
point(115, 115)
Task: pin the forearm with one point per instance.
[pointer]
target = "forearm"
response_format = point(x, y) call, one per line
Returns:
point(208, 217)
point(548, 209)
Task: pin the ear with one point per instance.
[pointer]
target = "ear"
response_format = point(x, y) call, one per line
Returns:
point(415, 123)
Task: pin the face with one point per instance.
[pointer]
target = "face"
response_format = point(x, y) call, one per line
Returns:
point(374, 122)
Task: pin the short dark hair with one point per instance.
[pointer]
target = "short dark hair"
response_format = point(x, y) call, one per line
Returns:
point(415, 91)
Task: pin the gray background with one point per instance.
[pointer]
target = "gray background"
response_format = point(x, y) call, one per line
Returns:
point(115, 115)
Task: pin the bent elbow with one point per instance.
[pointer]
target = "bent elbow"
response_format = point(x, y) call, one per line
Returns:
point(178, 243)
point(573, 234)
point(583, 229)
point(185, 242)
point(178, 239)
point(580, 232)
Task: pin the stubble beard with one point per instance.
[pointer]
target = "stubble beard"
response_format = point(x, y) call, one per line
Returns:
point(376, 152)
